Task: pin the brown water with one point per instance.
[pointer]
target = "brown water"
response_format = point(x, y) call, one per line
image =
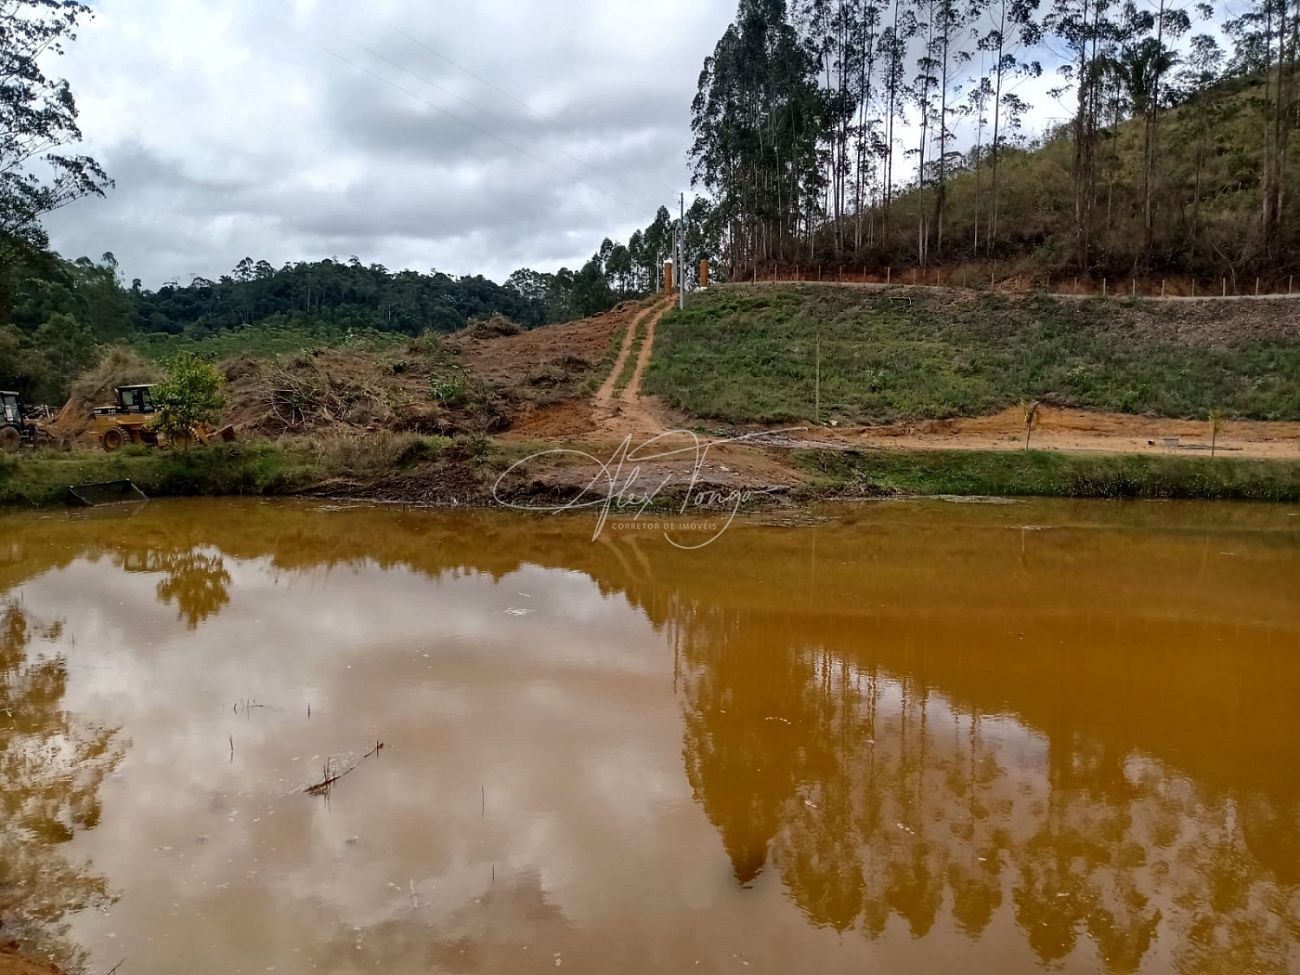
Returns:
point(913, 737)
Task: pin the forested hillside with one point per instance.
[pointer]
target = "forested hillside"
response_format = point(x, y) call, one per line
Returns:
point(1173, 157)
point(57, 315)
point(62, 312)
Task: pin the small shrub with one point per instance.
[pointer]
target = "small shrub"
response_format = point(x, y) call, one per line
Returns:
point(450, 388)
point(189, 397)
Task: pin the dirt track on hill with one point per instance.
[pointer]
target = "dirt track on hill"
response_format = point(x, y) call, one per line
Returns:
point(611, 416)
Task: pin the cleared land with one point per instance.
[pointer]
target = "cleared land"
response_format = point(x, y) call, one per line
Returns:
point(752, 355)
point(439, 419)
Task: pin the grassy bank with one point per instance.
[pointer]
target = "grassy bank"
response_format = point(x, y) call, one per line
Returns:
point(437, 470)
point(1049, 474)
point(260, 467)
point(744, 354)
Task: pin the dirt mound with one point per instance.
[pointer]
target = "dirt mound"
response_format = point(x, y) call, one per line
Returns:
point(118, 367)
point(567, 418)
point(492, 327)
point(538, 356)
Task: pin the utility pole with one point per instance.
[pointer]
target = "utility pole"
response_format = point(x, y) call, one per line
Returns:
point(681, 253)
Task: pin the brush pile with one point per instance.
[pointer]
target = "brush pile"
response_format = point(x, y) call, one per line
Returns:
point(421, 387)
point(119, 366)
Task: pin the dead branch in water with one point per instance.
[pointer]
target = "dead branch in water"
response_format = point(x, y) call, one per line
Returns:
point(329, 776)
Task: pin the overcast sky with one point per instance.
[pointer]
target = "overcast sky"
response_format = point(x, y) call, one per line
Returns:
point(473, 137)
point(301, 130)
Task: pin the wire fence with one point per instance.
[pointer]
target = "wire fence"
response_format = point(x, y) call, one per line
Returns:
point(984, 278)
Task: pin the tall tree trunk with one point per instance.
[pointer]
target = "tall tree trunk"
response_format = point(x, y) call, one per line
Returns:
point(995, 148)
point(1149, 146)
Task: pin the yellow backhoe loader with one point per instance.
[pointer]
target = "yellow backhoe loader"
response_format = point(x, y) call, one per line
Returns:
point(132, 419)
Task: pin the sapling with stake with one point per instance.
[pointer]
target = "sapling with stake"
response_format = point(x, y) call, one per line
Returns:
point(1030, 408)
point(1216, 427)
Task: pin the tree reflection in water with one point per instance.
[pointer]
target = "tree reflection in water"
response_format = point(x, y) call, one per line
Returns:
point(197, 580)
point(50, 774)
point(953, 732)
point(875, 796)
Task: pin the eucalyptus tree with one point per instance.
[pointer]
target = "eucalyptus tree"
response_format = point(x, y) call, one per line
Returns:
point(757, 120)
point(1266, 38)
point(1197, 116)
point(829, 29)
point(1087, 33)
point(923, 90)
point(950, 51)
point(1143, 60)
point(1004, 29)
point(892, 47)
point(869, 145)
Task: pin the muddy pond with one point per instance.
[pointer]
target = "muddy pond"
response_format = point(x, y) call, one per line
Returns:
point(904, 736)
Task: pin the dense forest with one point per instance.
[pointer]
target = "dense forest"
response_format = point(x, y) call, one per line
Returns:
point(1174, 158)
point(57, 314)
point(61, 312)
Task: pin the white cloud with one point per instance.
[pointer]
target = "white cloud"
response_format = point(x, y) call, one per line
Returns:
point(324, 128)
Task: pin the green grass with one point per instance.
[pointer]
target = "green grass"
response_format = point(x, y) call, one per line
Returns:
point(633, 354)
point(1049, 474)
point(257, 467)
point(278, 468)
point(262, 341)
point(253, 468)
point(750, 355)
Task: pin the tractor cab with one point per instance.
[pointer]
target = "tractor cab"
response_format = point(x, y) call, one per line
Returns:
point(135, 399)
point(17, 426)
point(11, 408)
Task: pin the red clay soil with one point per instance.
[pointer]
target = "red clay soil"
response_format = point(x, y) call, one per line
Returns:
point(511, 359)
point(12, 963)
point(1058, 428)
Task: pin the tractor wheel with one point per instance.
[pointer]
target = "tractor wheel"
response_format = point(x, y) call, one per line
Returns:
point(10, 439)
point(114, 438)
